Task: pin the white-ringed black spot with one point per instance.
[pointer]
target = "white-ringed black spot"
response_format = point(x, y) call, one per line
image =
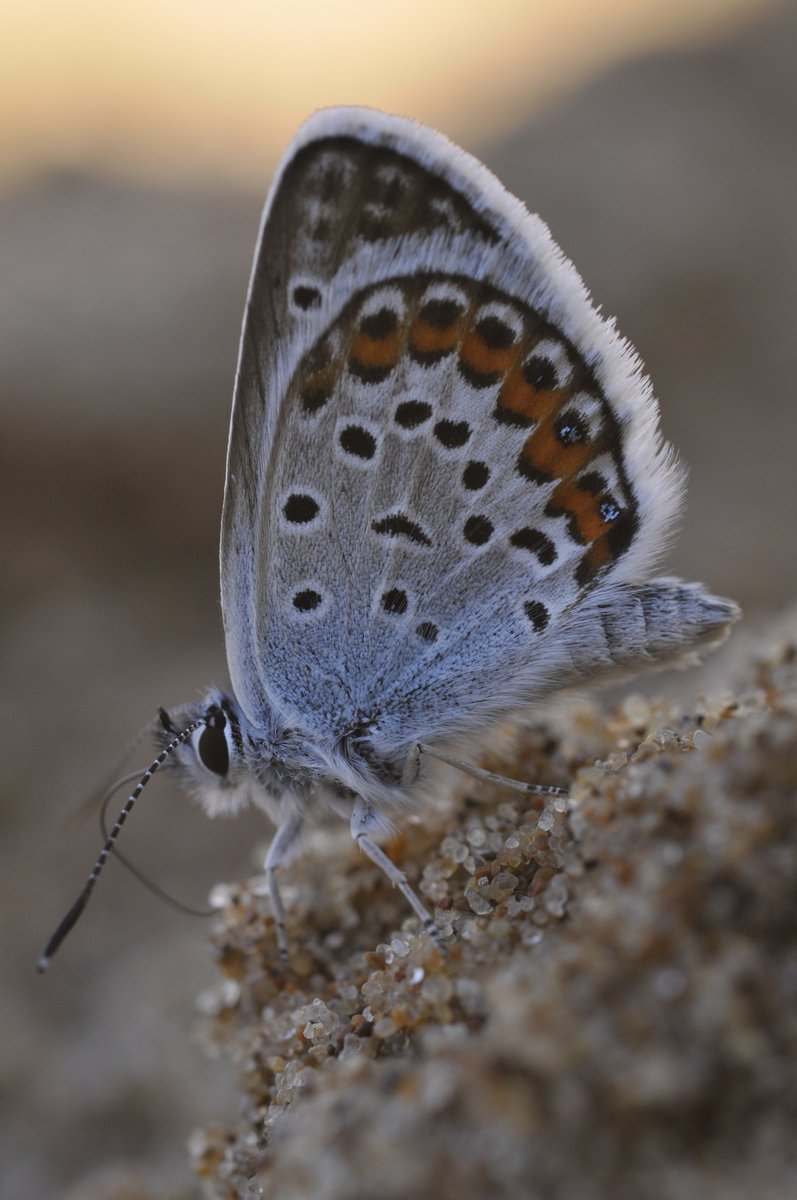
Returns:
point(475, 476)
point(379, 324)
point(395, 601)
point(495, 333)
point(306, 297)
point(412, 413)
point(440, 313)
point(535, 541)
point(400, 525)
point(538, 614)
point(427, 630)
point(357, 441)
point(540, 373)
point(306, 600)
point(593, 482)
point(452, 434)
point(478, 530)
point(300, 508)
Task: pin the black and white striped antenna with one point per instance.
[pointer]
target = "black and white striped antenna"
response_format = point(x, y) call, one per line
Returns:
point(72, 917)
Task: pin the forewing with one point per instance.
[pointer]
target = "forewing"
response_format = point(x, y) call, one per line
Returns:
point(438, 447)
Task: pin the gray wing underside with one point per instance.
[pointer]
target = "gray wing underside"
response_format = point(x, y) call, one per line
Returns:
point(365, 576)
point(315, 223)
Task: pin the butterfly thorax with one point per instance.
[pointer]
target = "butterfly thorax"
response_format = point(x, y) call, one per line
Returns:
point(230, 762)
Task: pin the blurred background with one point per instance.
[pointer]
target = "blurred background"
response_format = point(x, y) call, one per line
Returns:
point(657, 139)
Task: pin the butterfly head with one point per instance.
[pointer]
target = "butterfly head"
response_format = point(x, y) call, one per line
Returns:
point(214, 759)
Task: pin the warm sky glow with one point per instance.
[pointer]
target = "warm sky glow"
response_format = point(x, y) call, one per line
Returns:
point(172, 88)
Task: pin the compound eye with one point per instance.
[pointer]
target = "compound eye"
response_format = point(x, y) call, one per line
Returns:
point(212, 748)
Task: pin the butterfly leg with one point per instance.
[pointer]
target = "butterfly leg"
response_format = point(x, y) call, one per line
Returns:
point(363, 819)
point(283, 842)
point(412, 765)
point(515, 785)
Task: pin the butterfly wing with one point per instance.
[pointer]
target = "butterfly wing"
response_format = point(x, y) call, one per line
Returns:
point(438, 448)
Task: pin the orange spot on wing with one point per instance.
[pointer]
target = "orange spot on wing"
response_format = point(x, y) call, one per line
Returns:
point(545, 453)
point(519, 397)
point(427, 340)
point(584, 507)
point(598, 555)
point(376, 352)
point(478, 357)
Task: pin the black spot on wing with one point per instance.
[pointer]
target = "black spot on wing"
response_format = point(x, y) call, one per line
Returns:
point(306, 297)
point(395, 601)
point(593, 482)
point(475, 476)
point(358, 442)
point(427, 630)
point(307, 600)
point(538, 614)
point(441, 313)
point(452, 434)
point(495, 333)
point(412, 413)
point(478, 530)
point(379, 324)
point(300, 509)
point(540, 373)
point(400, 525)
point(536, 542)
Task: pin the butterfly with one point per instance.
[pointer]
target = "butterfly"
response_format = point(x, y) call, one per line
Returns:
point(446, 491)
